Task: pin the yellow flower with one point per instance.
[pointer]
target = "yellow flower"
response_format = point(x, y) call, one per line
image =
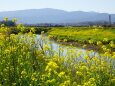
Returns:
point(92, 79)
point(34, 74)
point(50, 36)
point(91, 41)
point(23, 72)
point(2, 25)
point(66, 83)
point(51, 81)
point(84, 46)
point(61, 74)
point(113, 56)
point(112, 45)
point(58, 40)
point(99, 43)
point(79, 54)
point(46, 47)
point(84, 68)
point(34, 79)
point(13, 84)
point(65, 40)
point(79, 73)
point(33, 29)
point(105, 39)
point(86, 57)
point(14, 20)
point(95, 59)
point(42, 32)
point(7, 51)
point(112, 80)
point(51, 66)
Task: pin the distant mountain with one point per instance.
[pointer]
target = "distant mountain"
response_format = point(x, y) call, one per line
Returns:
point(48, 15)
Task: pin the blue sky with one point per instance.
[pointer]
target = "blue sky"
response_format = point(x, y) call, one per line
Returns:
point(107, 6)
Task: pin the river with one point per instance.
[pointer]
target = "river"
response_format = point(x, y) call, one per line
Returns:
point(61, 50)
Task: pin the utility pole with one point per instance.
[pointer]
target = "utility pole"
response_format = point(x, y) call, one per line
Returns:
point(109, 19)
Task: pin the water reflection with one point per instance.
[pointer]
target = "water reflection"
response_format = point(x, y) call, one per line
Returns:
point(62, 50)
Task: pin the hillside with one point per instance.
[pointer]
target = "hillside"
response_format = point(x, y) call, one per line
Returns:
point(49, 15)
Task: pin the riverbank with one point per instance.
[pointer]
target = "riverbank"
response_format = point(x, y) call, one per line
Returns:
point(91, 38)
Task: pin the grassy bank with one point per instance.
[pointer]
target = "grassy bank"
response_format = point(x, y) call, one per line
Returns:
point(82, 36)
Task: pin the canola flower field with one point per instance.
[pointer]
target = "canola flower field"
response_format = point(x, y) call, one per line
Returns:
point(84, 34)
point(23, 64)
point(86, 37)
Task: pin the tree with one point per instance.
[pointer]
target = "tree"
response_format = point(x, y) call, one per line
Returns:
point(8, 23)
point(6, 19)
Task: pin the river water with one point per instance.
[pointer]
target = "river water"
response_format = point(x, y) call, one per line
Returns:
point(61, 50)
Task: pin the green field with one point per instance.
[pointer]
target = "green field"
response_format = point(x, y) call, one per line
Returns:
point(83, 34)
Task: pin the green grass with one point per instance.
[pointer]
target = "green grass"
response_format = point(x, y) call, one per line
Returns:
point(83, 34)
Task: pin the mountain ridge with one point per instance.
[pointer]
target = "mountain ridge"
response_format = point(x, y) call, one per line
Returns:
point(49, 15)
